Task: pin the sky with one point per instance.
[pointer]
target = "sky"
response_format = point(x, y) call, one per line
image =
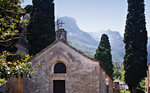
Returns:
point(96, 15)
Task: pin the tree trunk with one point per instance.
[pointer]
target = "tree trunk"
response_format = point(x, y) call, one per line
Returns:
point(133, 90)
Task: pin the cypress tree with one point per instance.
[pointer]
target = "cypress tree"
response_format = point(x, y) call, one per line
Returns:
point(103, 54)
point(41, 28)
point(135, 39)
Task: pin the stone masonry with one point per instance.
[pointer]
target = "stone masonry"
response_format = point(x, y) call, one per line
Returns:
point(83, 74)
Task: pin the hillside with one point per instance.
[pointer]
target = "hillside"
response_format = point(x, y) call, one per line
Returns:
point(87, 42)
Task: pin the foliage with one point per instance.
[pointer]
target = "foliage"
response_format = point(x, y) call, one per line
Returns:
point(41, 28)
point(135, 39)
point(142, 84)
point(118, 71)
point(103, 54)
point(140, 91)
point(10, 13)
point(11, 65)
point(29, 9)
point(118, 74)
point(14, 66)
point(118, 65)
point(124, 91)
point(141, 88)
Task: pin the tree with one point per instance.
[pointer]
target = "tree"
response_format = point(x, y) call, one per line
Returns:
point(41, 28)
point(10, 13)
point(29, 9)
point(14, 66)
point(118, 71)
point(135, 39)
point(103, 54)
point(11, 65)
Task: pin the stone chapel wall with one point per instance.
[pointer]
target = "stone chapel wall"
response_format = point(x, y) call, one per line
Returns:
point(82, 76)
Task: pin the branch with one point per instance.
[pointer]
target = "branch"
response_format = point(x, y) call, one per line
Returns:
point(2, 41)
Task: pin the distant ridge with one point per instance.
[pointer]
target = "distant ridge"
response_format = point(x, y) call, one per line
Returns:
point(75, 34)
point(116, 41)
point(87, 42)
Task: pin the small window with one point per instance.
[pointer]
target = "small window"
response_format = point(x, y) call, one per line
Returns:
point(60, 68)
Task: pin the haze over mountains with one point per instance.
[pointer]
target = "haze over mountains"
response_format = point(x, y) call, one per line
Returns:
point(87, 42)
point(75, 34)
point(116, 41)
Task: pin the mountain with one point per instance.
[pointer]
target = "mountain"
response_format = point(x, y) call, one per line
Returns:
point(75, 34)
point(116, 42)
point(88, 42)
point(89, 51)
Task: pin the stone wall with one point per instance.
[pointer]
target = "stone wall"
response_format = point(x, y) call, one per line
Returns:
point(83, 75)
point(22, 49)
point(148, 80)
point(116, 87)
point(2, 89)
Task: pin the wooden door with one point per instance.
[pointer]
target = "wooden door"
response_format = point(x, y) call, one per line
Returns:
point(59, 86)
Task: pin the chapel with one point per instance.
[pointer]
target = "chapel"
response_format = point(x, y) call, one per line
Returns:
point(63, 69)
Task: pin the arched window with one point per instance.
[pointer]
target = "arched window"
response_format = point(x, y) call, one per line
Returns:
point(60, 68)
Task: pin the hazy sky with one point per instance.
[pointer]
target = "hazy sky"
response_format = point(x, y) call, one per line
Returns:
point(95, 15)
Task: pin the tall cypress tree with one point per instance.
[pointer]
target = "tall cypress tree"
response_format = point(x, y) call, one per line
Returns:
point(135, 39)
point(103, 54)
point(42, 26)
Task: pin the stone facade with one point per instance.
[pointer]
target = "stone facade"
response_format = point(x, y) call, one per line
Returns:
point(83, 74)
point(14, 85)
point(116, 87)
point(22, 48)
point(2, 89)
point(148, 80)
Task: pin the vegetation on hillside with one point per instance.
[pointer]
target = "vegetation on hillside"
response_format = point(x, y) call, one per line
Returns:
point(89, 51)
point(118, 71)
